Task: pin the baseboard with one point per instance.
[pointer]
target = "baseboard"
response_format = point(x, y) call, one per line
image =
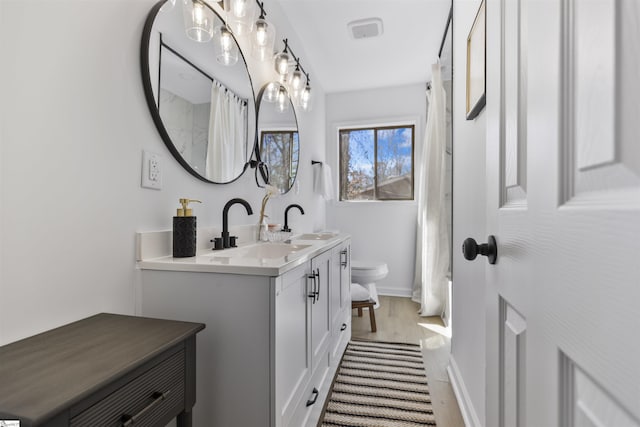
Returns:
point(394, 292)
point(467, 410)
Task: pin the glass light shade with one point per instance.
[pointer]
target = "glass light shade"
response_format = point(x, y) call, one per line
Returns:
point(281, 63)
point(241, 15)
point(282, 100)
point(262, 40)
point(306, 98)
point(297, 80)
point(226, 47)
point(271, 92)
point(296, 85)
point(198, 20)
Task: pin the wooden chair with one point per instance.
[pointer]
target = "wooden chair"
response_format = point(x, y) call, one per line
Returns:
point(366, 304)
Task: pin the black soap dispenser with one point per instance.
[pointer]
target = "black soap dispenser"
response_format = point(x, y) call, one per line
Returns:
point(184, 230)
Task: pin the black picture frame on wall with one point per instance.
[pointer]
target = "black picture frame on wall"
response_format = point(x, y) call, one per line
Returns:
point(476, 64)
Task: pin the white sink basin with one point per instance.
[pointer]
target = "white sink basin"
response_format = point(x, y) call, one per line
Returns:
point(315, 236)
point(261, 251)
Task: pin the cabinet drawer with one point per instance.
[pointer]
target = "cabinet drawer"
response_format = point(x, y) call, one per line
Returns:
point(308, 413)
point(151, 398)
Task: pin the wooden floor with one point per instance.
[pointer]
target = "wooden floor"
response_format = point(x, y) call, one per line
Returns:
point(398, 321)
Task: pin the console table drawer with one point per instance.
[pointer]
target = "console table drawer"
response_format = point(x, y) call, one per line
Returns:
point(148, 400)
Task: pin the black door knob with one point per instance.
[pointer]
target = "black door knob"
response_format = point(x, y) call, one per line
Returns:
point(471, 249)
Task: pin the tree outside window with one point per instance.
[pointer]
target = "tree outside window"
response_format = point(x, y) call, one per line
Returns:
point(376, 163)
point(279, 150)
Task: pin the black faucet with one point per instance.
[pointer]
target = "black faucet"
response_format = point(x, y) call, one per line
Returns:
point(286, 216)
point(227, 241)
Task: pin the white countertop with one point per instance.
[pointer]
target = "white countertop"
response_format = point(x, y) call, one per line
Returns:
point(234, 261)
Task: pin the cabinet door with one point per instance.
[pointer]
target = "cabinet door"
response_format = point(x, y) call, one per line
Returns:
point(292, 325)
point(340, 301)
point(345, 276)
point(335, 293)
point(320, 319)
point(340, 291)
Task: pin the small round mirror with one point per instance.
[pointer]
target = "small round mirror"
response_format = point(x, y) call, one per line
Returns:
point(198, 89)
point(278, 136)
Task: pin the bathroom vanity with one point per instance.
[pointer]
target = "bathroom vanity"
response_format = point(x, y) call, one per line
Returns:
point(278, 319)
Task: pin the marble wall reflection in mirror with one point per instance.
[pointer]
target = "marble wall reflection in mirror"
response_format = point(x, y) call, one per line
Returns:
point(204, 110)
point(279, 141)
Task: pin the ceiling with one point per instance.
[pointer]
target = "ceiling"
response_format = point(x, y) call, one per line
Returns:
point(403, 54)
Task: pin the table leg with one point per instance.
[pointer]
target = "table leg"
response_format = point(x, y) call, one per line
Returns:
point(184, 419)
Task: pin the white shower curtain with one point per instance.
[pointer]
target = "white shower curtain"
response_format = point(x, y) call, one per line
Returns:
point(240, 135)
point(432, 237)
point(226, 149)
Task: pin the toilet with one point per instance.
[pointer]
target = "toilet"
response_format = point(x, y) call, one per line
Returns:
point(366, 274)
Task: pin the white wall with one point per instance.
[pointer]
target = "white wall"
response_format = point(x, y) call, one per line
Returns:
point(73, 124)
point(468, 342)
point(381, 231)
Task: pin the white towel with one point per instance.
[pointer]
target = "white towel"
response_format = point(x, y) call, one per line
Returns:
point(322, 183)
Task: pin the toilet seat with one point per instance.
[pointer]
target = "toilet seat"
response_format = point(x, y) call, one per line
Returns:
point(364, 272)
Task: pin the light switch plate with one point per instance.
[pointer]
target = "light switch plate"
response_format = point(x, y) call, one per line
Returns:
point(151, 170)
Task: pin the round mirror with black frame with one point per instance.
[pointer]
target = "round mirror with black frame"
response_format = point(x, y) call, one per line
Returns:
point(199, 90)
point(278, 138)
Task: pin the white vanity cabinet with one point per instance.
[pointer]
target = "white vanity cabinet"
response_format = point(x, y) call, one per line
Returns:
point(313, 317)
point(271, 342)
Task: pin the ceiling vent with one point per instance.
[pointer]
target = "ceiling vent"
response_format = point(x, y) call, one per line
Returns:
point(365, 28)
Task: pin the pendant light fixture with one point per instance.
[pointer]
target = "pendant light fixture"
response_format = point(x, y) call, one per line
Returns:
point(263, 37)
point(240, 15)
point(240, 20)
point(271, 92)
point(282, 100)
point(296, 84)
point(298, 81)
point(226, 46)
point(306, 97)
point(198, 20)
point(281, 62)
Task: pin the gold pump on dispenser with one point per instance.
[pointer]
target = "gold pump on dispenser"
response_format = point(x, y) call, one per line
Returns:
point(184, 230)
point(185, 210)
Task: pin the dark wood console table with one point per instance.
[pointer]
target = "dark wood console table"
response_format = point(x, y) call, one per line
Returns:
point(106, 370)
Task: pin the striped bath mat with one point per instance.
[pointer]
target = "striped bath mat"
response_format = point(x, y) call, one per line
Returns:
point(379, 385)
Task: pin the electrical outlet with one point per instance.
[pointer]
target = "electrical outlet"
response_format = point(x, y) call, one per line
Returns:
point(151, 170)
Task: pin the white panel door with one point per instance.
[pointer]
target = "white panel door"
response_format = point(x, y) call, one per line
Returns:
point(509, 281)
point(563, 200)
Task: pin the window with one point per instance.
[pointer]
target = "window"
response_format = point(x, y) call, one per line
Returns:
point(280, 149)
point(376, 163)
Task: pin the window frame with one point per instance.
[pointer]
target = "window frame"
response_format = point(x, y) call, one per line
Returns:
point(340, 128)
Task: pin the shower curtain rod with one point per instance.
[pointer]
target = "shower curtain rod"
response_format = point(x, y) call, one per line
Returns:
point(213, 79)
point(444, 38)
point(446, 30)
